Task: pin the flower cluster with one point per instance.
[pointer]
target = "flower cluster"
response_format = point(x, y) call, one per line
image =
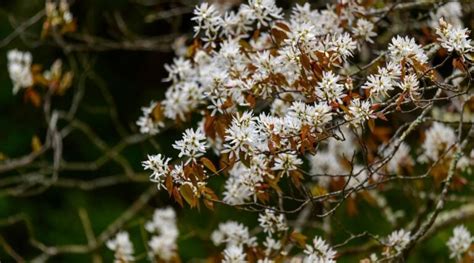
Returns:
point(397, 241)
point(58, 16)
point(150, 122)
point(122, 247)
point(158, 165)
point(274, 95)
point(460, 242)
point(320, 251)
point(162, 244)
point(163, 225)
point(439, 142)
point(19, 68)
point(453, 38)
point(26, 76)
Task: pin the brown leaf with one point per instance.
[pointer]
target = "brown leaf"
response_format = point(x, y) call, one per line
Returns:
point(208, 164)
point(169, 184)
point(177, 196)
point(33, 97)
point(188, 195)
point(298, 238)
point(278, 35)
point(36, 144)
point(371, 123)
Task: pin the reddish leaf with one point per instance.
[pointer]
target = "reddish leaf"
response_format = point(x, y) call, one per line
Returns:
point(208, 164)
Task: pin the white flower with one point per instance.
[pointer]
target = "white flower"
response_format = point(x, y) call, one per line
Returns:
point(364, 29)
point(378, 85)
point(319, 252)
point(359, 111)
point(208, 20)
point(343, 45)
point(438, 138)
point(314, 115)
point(163, 225)
point(193, 144)
point(58, 15)
point(146, 122)
point(328, 88)
point(237, 24)
point(19, 68)
point(451, 11)
point(234, 254)
point(232, 234)
point(272, 223)
point(241, 133)
point(398, 240)
point(453, 38)
point(122, 247)
point(410, 83)
point(405, 48)
point(286, 162)
point(271, 245)
point(158, 164)
point(460, 242)
point(264, 11)
point(181, 69)
point(236, 192)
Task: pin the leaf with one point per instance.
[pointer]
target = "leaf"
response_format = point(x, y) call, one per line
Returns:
point(35, 144)
point(305, 62)
point(278, 35)
point(251, 100)
point(458, 64)
point(157, 113)
point(283, 26)
point(371, 123)
point(65, 83)
point(208, 164)
point(298, 238)
point(209, 204)
point(296, 178)
point(169, 184)
point(381, 116)
point(318, 191)
point(33, 97)
point(244, 159)
point(352, 207)
point(177, 196)
point(188, 194)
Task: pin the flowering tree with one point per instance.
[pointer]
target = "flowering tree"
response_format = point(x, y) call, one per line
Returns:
point(303, 117)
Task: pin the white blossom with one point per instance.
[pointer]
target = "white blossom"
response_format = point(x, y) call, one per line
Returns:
point(165, 233)
point(158, 164)
point(232, 234)
point(364, 29)
point(147, 124)
point(272, 223)
point(398, 240)
point(329, 89)
point(263, 11)
point(460, 242)
point(19, 68)
point(405, 48)
point(319, 252)
point(453, 38)
point(438, 139)
point(286, 162)
point(359, 111)
point(234, 254)
point(122, 247)
point(193, 144)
